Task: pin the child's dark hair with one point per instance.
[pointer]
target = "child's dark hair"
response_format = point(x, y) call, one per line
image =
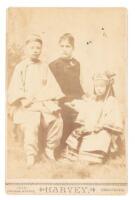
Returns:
point(34, 38)
point(68, 37)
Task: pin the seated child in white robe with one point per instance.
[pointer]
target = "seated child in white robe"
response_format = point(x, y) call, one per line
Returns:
point(100, 123)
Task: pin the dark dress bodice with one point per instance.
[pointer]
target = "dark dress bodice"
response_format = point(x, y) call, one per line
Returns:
point(67, 74)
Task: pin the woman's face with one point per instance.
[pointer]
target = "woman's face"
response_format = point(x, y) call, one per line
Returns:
point(100, 87)
point(66, 49)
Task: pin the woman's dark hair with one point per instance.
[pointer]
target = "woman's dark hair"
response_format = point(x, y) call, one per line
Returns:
point(68, 37)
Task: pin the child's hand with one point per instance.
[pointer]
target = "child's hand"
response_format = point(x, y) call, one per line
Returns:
point(82, 130)
point(26, 102)
point(97, 129)
point(57, 112)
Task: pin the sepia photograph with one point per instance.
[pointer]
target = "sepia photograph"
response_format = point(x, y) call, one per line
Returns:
point(66, 101)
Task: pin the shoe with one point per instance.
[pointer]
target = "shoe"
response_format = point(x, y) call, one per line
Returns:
point(49, 153)
point(30, 161)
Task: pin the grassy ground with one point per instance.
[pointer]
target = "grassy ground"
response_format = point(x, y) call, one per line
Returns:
point(16, 167)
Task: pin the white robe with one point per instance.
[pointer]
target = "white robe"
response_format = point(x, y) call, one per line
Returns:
point(92, 114)
point(33, 81)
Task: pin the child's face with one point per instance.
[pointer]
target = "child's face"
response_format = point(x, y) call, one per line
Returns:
point(100, 87)
point(33, 50)
point(66, 49)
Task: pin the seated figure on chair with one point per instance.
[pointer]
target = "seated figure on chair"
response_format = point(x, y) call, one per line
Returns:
point(34, 94)
point(100, 121)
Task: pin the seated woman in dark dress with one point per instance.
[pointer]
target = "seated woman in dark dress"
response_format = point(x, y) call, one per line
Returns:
point(66, 70)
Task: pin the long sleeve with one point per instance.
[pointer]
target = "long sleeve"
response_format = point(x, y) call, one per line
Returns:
point(15, 90)
point(113, 117)
point(67, 74)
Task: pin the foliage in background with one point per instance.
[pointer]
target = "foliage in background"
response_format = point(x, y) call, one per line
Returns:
point(14, 56)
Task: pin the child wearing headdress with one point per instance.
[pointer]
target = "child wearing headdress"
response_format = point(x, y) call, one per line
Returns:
point(100, 123)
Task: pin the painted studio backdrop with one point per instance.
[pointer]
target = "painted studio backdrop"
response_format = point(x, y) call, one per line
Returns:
point(99, 38)
point(100, 45)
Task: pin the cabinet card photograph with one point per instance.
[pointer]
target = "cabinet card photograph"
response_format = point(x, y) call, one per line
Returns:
point(66, 100)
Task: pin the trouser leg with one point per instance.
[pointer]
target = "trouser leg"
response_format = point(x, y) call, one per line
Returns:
point(30, 139)
point(68, 117)
point(53, 133)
